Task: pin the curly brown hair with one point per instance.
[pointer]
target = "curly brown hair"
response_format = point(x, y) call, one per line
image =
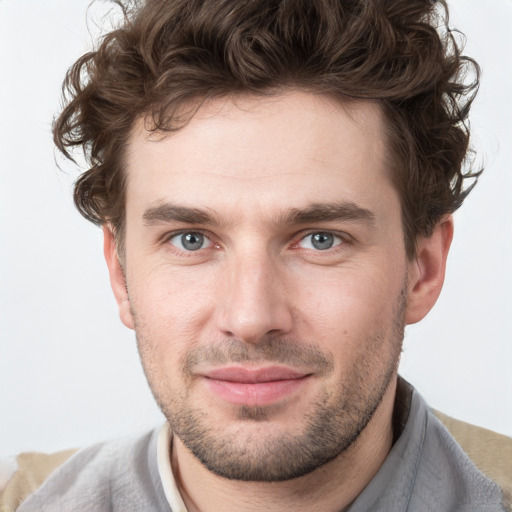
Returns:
point(165, 53)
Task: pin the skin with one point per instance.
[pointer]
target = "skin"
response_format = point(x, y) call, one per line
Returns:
point(259, 295)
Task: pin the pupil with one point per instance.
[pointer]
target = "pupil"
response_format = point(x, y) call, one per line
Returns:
point(192, 241)
point(322, 241)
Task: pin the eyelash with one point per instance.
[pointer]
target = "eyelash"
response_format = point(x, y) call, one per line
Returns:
point(344, 239)
point(169, 236)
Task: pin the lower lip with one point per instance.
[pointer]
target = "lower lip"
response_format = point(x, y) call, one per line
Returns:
point(260, 393)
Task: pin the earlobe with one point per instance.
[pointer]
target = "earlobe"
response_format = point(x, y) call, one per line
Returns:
point(117, 277)
point(427, 270)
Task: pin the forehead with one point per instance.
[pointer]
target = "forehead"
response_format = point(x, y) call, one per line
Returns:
point(283, 151)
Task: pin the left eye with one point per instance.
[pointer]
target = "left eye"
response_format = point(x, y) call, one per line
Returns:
point(190, 241)
point(320, 241)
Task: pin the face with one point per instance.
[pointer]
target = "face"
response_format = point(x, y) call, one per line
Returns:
point(266, 278)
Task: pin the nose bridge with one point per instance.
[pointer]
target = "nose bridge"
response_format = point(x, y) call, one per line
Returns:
point(254, 302)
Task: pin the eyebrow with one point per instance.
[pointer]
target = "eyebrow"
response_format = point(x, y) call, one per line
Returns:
point(169, 212)
point(318, 212)
point(327, 212)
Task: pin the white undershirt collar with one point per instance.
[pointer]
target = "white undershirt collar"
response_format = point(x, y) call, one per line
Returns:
point(163, 450)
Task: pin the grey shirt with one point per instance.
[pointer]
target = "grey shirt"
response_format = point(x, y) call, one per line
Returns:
point(425, 471)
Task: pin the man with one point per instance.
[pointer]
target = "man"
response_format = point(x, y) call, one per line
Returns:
point(275, 183)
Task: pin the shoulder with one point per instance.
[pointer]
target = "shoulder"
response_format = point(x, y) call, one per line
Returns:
point(489, 451)
point(25, 474)
point(88, 479)
point(427, 470)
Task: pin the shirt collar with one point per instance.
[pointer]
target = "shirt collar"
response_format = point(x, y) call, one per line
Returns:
point(391, 488)
point(164, 448)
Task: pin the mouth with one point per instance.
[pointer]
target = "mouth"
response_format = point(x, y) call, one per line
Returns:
point(254, 387)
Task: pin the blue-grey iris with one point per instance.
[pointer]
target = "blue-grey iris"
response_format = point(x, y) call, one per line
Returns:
point(322, 241)
point(192, 241)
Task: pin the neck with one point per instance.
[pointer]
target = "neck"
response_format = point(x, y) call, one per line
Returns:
point(331, 487)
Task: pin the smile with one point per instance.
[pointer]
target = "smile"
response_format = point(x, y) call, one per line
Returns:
point(259, 387)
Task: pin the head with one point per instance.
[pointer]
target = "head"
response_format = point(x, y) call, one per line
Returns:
point(275, 181)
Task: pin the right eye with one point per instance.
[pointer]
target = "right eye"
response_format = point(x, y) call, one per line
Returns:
point(320, 241)
point(190, 241)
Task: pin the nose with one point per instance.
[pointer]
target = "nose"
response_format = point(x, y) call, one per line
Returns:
point(253, 301)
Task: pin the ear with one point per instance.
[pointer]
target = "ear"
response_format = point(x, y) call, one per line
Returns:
point(117, 277)
point(427, 270)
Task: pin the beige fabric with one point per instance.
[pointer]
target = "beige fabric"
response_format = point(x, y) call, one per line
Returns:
point(490, 452)
point(33, 469)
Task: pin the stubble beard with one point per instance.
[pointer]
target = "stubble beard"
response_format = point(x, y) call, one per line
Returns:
point(257, 453)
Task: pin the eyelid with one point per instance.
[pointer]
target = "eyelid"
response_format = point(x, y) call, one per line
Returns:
point(175, 232)
point(297, 238)
point(169, 235)
point(345, 237)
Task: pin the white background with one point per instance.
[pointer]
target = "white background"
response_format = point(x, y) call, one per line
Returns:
point(69, 371)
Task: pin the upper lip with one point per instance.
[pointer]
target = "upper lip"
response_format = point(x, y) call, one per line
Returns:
point(253, 375)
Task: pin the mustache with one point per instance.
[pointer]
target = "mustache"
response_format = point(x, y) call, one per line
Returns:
point(270, 350)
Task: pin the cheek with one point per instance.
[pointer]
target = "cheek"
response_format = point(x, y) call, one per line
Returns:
point(170, 307)
point(167, 320)
point(349, 306)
